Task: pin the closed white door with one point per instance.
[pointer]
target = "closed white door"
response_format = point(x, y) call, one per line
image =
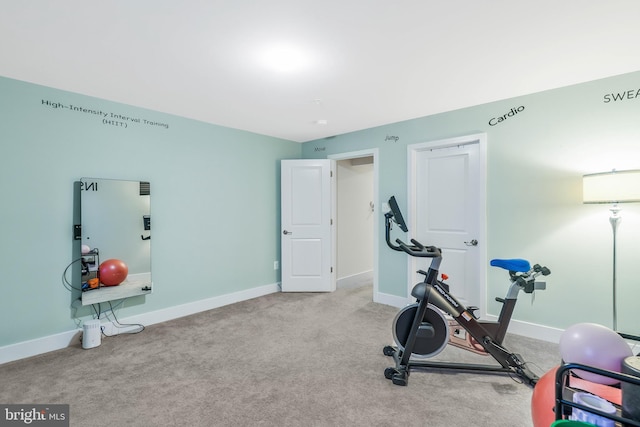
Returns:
point(307, 229)
point(448, 212)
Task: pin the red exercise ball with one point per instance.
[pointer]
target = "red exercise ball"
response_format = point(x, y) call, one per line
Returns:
point(112, 272)
point(543, 400)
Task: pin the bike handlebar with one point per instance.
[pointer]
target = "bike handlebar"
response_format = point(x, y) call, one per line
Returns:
point(542, 270)
point(418, 249)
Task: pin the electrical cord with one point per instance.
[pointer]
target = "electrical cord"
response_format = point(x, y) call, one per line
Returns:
point(97, 311)
point(74, 307)
point(115, 322)
point(68, 285)
point(121, 325)
point(515, 378)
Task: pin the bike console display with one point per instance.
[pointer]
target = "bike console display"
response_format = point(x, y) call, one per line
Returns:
point(396, 214)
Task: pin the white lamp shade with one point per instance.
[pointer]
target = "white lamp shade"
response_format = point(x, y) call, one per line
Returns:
point(611, 187)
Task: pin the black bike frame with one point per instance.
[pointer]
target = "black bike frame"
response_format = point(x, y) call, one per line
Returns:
point(489, 334)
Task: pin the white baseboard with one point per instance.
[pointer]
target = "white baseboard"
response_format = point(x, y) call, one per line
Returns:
point(355, 279)
point(532, 330)
point(194, 307)
point(25, 349)
point(54, 342)
point(392, 300)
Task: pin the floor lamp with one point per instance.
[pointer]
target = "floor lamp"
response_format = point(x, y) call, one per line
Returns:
point(613, 188)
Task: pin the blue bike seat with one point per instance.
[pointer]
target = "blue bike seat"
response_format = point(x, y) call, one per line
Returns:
point(515, 264)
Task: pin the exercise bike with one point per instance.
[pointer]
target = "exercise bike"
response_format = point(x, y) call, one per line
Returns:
point(421, 330)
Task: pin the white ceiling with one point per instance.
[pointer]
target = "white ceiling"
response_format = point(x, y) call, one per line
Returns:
point(367, 62)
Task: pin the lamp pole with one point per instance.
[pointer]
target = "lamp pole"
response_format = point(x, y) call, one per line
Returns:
point(613, 188)
point(615, 219)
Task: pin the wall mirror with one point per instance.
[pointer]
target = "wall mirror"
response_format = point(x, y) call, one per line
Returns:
point(115, 224)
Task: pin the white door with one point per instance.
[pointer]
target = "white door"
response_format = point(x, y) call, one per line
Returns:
point(448, 212)
point(307, 230)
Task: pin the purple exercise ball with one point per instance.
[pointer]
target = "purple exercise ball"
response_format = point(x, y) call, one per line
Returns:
point(594, 345)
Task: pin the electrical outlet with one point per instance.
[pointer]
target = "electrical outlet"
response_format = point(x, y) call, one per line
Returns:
point(276, 265)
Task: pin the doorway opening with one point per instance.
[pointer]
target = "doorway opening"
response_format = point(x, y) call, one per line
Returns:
point(357, 219)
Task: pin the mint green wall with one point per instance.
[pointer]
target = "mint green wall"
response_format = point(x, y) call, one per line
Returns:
point(535, 162)
point(215, 203)
point(215, 189)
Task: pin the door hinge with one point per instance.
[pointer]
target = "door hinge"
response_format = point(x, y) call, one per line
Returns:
point(331, 221)
point(332, 269)
point(330, 174)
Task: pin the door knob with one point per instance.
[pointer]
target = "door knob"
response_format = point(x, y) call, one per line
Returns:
point(285, 232)
point(474, 242)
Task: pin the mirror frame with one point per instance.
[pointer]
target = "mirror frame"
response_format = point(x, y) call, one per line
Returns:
point(113, 219)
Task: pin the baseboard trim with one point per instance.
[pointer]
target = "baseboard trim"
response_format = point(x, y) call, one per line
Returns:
point(190, 308)
point(388, 299)
point(37, 346)
point(22, 350)
point(355, 279)
point(532, 330)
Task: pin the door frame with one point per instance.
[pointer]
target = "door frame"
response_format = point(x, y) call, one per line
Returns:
point(412, 151)
point(373, 152)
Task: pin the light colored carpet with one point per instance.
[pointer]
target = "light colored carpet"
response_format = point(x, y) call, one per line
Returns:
point(278, 360)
